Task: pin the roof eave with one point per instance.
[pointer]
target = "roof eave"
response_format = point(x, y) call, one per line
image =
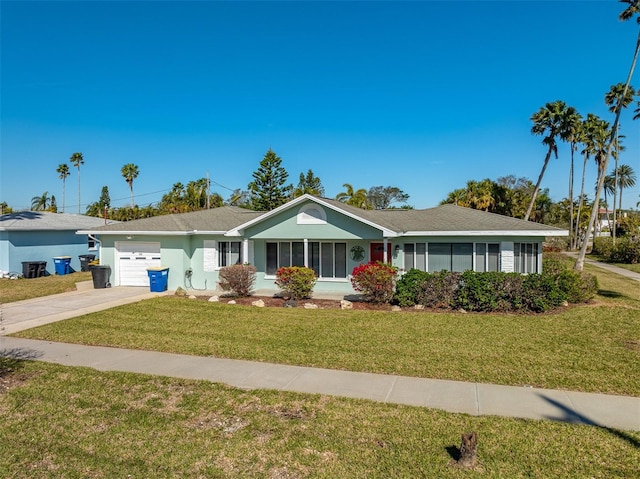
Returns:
point(489, 233)
point(135, 232)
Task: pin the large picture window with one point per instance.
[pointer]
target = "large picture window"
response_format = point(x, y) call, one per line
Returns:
point(229, 253)
point(327, 259)
point(434, 257)
point(450, 257)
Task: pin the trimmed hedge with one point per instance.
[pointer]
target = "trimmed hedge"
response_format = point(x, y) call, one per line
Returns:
point(496, 291)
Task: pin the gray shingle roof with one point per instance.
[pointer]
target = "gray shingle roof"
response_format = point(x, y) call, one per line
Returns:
point(444, 218)
point(441, 219)
point(46, 221)
point(223, 218)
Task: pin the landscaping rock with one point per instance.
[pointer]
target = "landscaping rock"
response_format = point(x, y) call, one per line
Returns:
point(310, 306)
point(396, 308)
point(214, 299)
point(193, 296)
point(231, 302)
point(258, 304)
point(344, 304)
point(290, 304)
point(418, 306)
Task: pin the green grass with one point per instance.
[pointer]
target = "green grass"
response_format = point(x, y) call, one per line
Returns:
point(81, 423)
point(583, 348)
point(19, 289)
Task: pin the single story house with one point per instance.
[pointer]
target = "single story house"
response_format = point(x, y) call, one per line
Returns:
point(41, 236)
point(326, 235)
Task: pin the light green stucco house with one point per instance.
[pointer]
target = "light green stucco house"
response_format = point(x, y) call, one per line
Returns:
point(326, 235)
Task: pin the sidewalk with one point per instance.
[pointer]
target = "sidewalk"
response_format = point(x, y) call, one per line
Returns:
point(608, 267)
point(620, 412)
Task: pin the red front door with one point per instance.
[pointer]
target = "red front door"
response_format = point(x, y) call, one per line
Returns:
point(377, 252)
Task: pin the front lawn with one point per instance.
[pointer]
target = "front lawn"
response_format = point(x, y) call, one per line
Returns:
point(81, 423)
point(19, 289)
point(585, 348)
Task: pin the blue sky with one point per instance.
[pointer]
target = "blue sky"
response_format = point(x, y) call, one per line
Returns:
point(420, 95)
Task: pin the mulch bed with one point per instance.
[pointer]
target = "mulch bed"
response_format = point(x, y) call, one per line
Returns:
point(277, 302)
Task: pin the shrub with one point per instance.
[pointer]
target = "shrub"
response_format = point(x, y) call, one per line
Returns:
point(439, 289)
point(489, 291)
point(296, 282)
point(239, 279)
point(375, 280)
point(602, 247)
point(626, 250)
point(409, 286)
point(577, 287)
point(541, 293)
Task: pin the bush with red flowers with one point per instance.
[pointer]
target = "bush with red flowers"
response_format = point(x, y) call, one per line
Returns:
point(296, 282)
point(375, 280)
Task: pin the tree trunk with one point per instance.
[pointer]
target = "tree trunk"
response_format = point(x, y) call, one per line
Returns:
point(537, 188)
point(469, 450)
point(579, 266)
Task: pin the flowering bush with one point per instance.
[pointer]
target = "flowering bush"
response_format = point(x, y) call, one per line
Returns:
point(296, 282)
point(375, 280)
point(239, 279)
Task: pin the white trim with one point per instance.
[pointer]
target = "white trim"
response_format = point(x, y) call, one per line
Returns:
point(239, 230)
point(462, 234)
point(155, 233)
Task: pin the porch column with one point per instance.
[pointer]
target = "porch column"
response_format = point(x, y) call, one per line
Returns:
point(306, 252)
point(385, 259)
point(245, 250)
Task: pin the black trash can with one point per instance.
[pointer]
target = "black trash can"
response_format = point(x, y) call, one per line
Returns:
point(30, 269)
point(85, 259)
point(41, 269)
point(100, 275)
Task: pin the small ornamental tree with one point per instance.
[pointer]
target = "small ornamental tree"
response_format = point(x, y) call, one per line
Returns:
point(238, 279)
point(375, 280)
point(296, 282)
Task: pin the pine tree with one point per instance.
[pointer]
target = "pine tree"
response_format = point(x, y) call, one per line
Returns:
point(268, 190)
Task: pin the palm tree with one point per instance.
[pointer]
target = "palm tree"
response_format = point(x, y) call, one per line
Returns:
point(357, 198)
point(77, 160)
point(609, 187)
point(618, 95)
point(552, 121)
point(626, 179)
point(572, 135)
point(130, 173)
point(41, 203)
point(63, 171)
point(633, 10)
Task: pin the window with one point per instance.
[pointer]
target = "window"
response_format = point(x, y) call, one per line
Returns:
point(450, 257)
point(525, 257)
point(487, 257)
point(229, 253)
point(328, 260)
point(91, 243)
point(415, 256)
point(311, 214)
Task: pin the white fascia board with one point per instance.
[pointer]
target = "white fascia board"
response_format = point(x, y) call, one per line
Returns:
point(132, 233)
point(238, 231)
point(488, 233)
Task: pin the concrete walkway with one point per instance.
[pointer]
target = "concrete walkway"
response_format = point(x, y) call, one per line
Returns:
point(608, 267)
point(620, 412)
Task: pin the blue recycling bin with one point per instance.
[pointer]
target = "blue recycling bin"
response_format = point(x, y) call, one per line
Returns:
point(158, 279)
point(62, 264)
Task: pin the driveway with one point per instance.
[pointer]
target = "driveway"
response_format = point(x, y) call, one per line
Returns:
point(30, 313)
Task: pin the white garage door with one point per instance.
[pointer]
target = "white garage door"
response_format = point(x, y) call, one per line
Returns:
point(133, 259)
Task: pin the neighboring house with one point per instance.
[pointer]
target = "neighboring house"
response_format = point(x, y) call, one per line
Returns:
point(326, 235)
point(41, 236)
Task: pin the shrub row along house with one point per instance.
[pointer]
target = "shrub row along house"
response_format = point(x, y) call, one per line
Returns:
point(326, 235)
